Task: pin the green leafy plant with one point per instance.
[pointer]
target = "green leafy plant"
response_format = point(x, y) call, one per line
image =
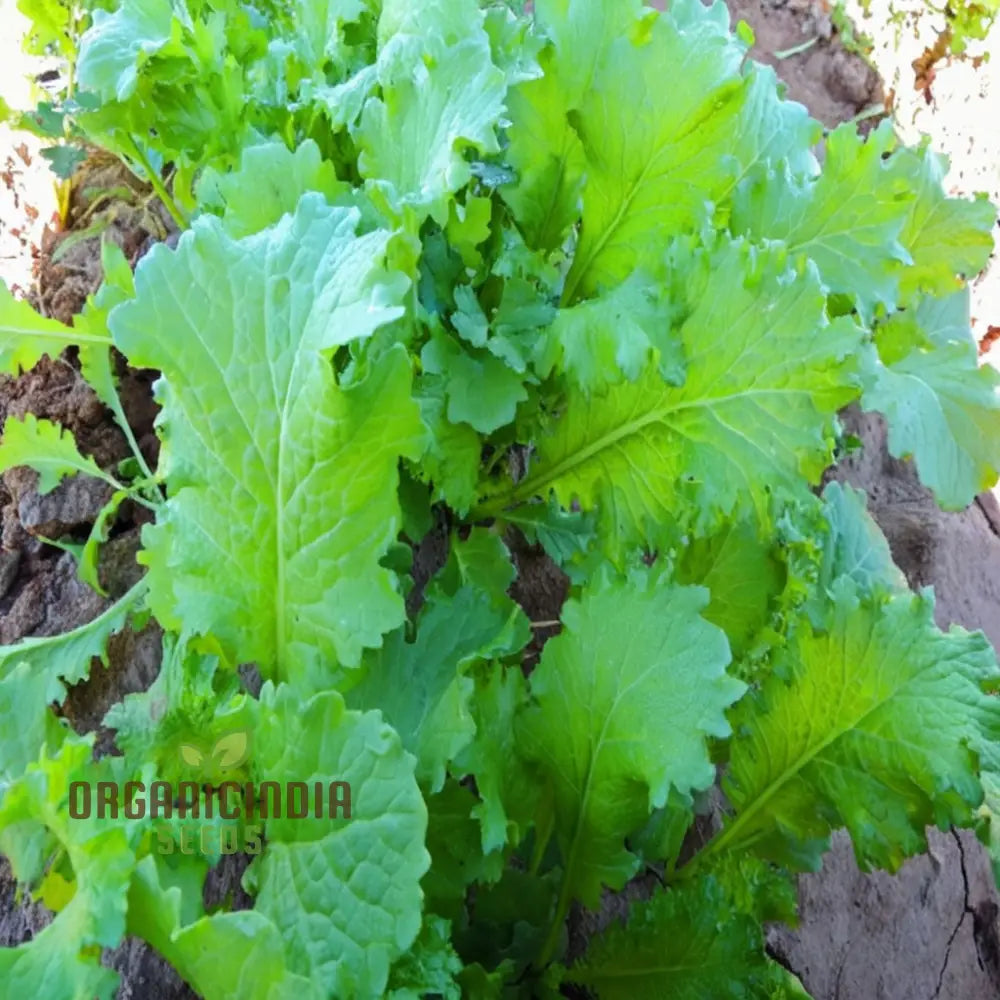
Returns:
point(573, 280)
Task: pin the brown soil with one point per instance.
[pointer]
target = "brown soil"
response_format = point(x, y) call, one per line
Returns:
point(930, 931)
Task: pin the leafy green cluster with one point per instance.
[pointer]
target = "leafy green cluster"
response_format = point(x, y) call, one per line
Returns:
point(575, 279)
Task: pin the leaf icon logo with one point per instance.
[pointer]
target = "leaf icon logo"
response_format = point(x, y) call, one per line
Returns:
point(230, 751)
point(192, 755)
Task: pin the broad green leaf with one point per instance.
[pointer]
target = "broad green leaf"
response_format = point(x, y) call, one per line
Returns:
point(25, 335)
point(451, 462)
point(766, 372)
point(875, 729)
point(599, 340)
point(48, 449)
point(63, 960)
point(424, 687)
point(942, 407)
point(627, 697)
point(482, 390)
point(855, 546)
point(451, 20)
point(947, 237)
point(344, 893)
point(344, 102)
point(117, 43)
point(547, 155)
point(319, 28)
point(657, 157)
point(690, 942)
point(255, 427)
point(268, 184)
point(437, 101)
point(582, 35)
point(849, 219)
point(772, 129)
point(67, 657)
point(741, 573)
point(225, 956)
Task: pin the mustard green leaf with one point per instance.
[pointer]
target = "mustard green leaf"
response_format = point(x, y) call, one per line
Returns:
point(848, 219)
point(224, 956)
point(687, 943)
point(254, 427)
point(48, 449)
point(948, 238)
point(424, 687)
point(941, 405)
point(437, 101)
point(750, 420)
point(344, 892)
point(626, 697)
point(25, 335)
point(656, 157)
point(482, 390)
point(873, 724)
point(63, 960)
point(268, 184)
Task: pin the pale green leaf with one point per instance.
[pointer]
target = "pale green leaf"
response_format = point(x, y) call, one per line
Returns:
point(948, 238)
point(254, 427)
point(268, 184)
point(48, 449)
point(627, 697)
point(25, 335)
point(344, 893)
point(872, 724)
point(942, 407)
point(855, 546)
point(63, 960)
point(849, 219)
point(766, 372)
point(437, 101)
point(114, 48)
point(657, 157)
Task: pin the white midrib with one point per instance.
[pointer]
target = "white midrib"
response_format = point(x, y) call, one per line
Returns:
point(281, 625)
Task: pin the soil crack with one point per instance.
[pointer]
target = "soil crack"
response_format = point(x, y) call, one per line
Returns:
point(967, 911)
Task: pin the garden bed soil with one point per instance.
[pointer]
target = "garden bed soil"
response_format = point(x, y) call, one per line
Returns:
point(931, 931)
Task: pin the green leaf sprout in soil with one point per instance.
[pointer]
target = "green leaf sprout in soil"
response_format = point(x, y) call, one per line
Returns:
point(454, 283)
